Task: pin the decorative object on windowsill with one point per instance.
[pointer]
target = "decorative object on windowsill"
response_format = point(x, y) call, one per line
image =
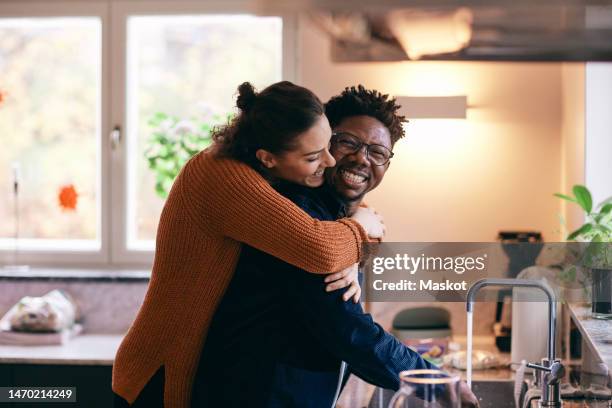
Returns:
point(174, 141)
point(68, 198)
point(48, 319)
point(597, 253)
point(15, 266)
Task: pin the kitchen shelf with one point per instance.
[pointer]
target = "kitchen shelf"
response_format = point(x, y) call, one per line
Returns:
point(596, 333)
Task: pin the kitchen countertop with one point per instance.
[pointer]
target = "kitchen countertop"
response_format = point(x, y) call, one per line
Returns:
point(85, 349)
point(597, 333)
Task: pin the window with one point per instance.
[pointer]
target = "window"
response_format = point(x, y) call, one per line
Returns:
point(50, 126)
point(187, 67)
point(70, 72)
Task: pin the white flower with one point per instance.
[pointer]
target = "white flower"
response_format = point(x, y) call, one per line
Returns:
point(184, 127)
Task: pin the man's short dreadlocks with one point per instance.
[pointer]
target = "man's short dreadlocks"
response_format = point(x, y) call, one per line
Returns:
point(360, 101)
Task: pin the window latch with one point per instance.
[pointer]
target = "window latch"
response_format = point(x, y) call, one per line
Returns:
point(115, 137)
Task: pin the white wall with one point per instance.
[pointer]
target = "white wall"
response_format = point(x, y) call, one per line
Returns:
point(599, 130)
point(460, 180)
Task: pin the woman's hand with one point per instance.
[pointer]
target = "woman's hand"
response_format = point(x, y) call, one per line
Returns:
point(347, 277)
point(371, 221)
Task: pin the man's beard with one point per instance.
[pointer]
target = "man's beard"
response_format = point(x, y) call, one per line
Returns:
point(351, 204)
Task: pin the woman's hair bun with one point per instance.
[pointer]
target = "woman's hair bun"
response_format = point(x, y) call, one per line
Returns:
point(246, 96)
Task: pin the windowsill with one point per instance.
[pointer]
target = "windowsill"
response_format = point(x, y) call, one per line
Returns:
point(76, 274)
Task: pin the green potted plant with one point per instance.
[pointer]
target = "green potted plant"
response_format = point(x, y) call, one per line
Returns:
point(173, 142)
point(596, 253)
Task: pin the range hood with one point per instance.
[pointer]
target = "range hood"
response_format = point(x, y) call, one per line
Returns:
point(473, 30)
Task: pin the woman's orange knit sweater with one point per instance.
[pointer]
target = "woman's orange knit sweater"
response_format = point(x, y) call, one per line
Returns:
point(214, 206)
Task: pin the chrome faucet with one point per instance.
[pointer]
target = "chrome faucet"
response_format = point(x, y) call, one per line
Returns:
point(551, 371)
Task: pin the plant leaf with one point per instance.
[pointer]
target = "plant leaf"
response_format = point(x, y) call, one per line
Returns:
point(604, 202)
point(583, 197)
point(582, 230)
point(572, 273)
point(604, 228)
point(565, 197)
point(606, 209)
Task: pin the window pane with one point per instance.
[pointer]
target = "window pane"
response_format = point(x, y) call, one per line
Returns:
point(183, 72)
point(50, 86)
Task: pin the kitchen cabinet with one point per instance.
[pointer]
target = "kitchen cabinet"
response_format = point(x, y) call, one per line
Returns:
point(93, 383)
point(85, 363)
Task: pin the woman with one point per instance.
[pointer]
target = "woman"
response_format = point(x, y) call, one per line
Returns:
point(220, 200)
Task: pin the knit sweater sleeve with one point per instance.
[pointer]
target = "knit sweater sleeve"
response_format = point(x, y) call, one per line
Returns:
point(229, 198)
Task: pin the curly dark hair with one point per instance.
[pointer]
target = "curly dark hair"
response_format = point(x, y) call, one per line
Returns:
point(356, 101)
point(271, 120)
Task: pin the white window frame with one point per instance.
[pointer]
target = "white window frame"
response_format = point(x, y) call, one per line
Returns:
point(100, 9)
point(113, 172)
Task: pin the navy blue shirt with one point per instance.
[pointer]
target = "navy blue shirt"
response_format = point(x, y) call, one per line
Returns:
point(277, 338)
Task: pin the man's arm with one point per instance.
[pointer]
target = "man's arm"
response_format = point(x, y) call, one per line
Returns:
point(343, 327)
point(350, 334)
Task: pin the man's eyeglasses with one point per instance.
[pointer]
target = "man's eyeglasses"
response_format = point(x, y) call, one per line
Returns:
point(347, 143)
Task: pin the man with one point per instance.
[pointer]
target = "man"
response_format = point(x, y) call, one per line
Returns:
point(278, 339)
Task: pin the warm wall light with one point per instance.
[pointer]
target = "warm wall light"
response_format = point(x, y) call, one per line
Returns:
point(433, 107)
point(431, 32)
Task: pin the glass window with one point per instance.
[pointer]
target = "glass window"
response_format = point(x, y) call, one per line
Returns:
point(50, 86)
point(182, 76)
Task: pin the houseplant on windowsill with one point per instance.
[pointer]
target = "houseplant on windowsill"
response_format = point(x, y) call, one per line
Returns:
point(173, 142)
point(596, 253)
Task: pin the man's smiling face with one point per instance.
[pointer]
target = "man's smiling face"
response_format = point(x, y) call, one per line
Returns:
point(354, 175)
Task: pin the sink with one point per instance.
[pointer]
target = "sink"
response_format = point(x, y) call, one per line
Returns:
point(494, 394)
point(491, 394)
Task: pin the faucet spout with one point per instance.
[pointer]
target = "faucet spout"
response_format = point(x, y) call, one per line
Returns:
point(552, 310)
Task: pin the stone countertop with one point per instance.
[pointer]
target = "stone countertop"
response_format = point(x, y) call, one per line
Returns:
point(597, 333)
point(85, 349)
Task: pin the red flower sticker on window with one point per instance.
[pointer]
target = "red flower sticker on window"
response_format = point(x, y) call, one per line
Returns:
point(2, 97)
point(68, 198)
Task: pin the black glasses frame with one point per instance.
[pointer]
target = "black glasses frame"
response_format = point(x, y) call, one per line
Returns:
point(360, 145)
